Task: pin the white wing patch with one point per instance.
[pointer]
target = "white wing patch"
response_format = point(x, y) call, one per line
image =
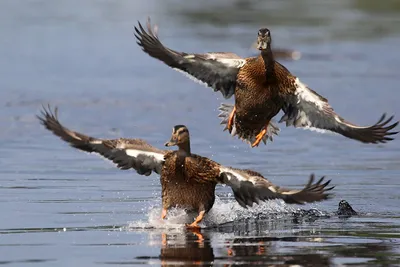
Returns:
point(94, 142)
point(229, 172)
point(234, 177)
point(304, 94)
point(291, 192)
point(311, 109)
point(190, 56)
point(233, 63)
point(272, 189)
point(135, 153)
point(322, 131)
point(229, 62)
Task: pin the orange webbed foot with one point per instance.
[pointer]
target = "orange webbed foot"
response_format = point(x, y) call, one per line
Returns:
point(230, 120)
point(163, 214)
point(259, 137)
point(193, 226)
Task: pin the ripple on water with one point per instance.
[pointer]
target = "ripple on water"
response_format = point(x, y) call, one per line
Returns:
point(64, 208)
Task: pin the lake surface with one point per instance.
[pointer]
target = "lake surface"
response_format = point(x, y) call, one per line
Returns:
point(62, 207)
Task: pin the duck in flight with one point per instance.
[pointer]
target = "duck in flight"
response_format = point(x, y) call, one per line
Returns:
point(262, 87)
point(188, 181)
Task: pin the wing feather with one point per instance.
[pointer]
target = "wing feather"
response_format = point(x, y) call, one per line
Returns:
point(216, 70)
point(125, 153)
point(251, 187)
point(305, 108)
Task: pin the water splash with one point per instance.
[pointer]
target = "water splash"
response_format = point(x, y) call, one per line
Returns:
point(223, 211)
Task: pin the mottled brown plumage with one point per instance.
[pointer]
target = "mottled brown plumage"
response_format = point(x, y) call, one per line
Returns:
point(188, 181)
point(262, 87)
point(256, 107)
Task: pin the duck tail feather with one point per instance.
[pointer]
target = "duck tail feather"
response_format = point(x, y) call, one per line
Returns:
point(226, 110)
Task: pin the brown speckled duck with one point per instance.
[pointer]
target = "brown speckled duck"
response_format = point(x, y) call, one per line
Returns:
point(187, 180)
point(262, 87)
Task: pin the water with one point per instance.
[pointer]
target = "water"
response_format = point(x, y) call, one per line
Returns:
point(66, 208)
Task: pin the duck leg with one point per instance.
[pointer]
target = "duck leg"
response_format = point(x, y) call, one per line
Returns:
point(197, 220)
point(260, 136)
point(163, 214)
point(230, 120)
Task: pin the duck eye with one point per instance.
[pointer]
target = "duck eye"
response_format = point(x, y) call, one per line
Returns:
point(183, 131)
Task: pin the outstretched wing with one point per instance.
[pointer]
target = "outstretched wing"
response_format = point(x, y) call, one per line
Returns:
point(251, 187)
point(216, 70)
point(305, 108)
point(125, 153)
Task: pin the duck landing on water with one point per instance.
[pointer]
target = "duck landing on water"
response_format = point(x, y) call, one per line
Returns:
point(262, 87)
point(188, 181)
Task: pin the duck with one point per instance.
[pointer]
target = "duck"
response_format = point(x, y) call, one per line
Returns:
point(262, 88)
point(188, 181)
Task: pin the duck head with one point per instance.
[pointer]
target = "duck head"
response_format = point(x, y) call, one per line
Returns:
point(263, 39)
point(180, 137)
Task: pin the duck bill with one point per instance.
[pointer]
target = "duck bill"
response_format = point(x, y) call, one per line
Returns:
point(170, 143)
point(262, 46)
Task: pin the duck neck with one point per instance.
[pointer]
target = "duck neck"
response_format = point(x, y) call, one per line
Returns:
point(268, 59)
point(184, 149)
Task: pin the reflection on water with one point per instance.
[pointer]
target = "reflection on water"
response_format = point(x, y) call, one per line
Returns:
point(251, 245)
point(323, 243)
point(304, 238)
point(190, 247)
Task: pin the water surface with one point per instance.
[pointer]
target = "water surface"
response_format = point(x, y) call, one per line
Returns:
point(66, 208)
